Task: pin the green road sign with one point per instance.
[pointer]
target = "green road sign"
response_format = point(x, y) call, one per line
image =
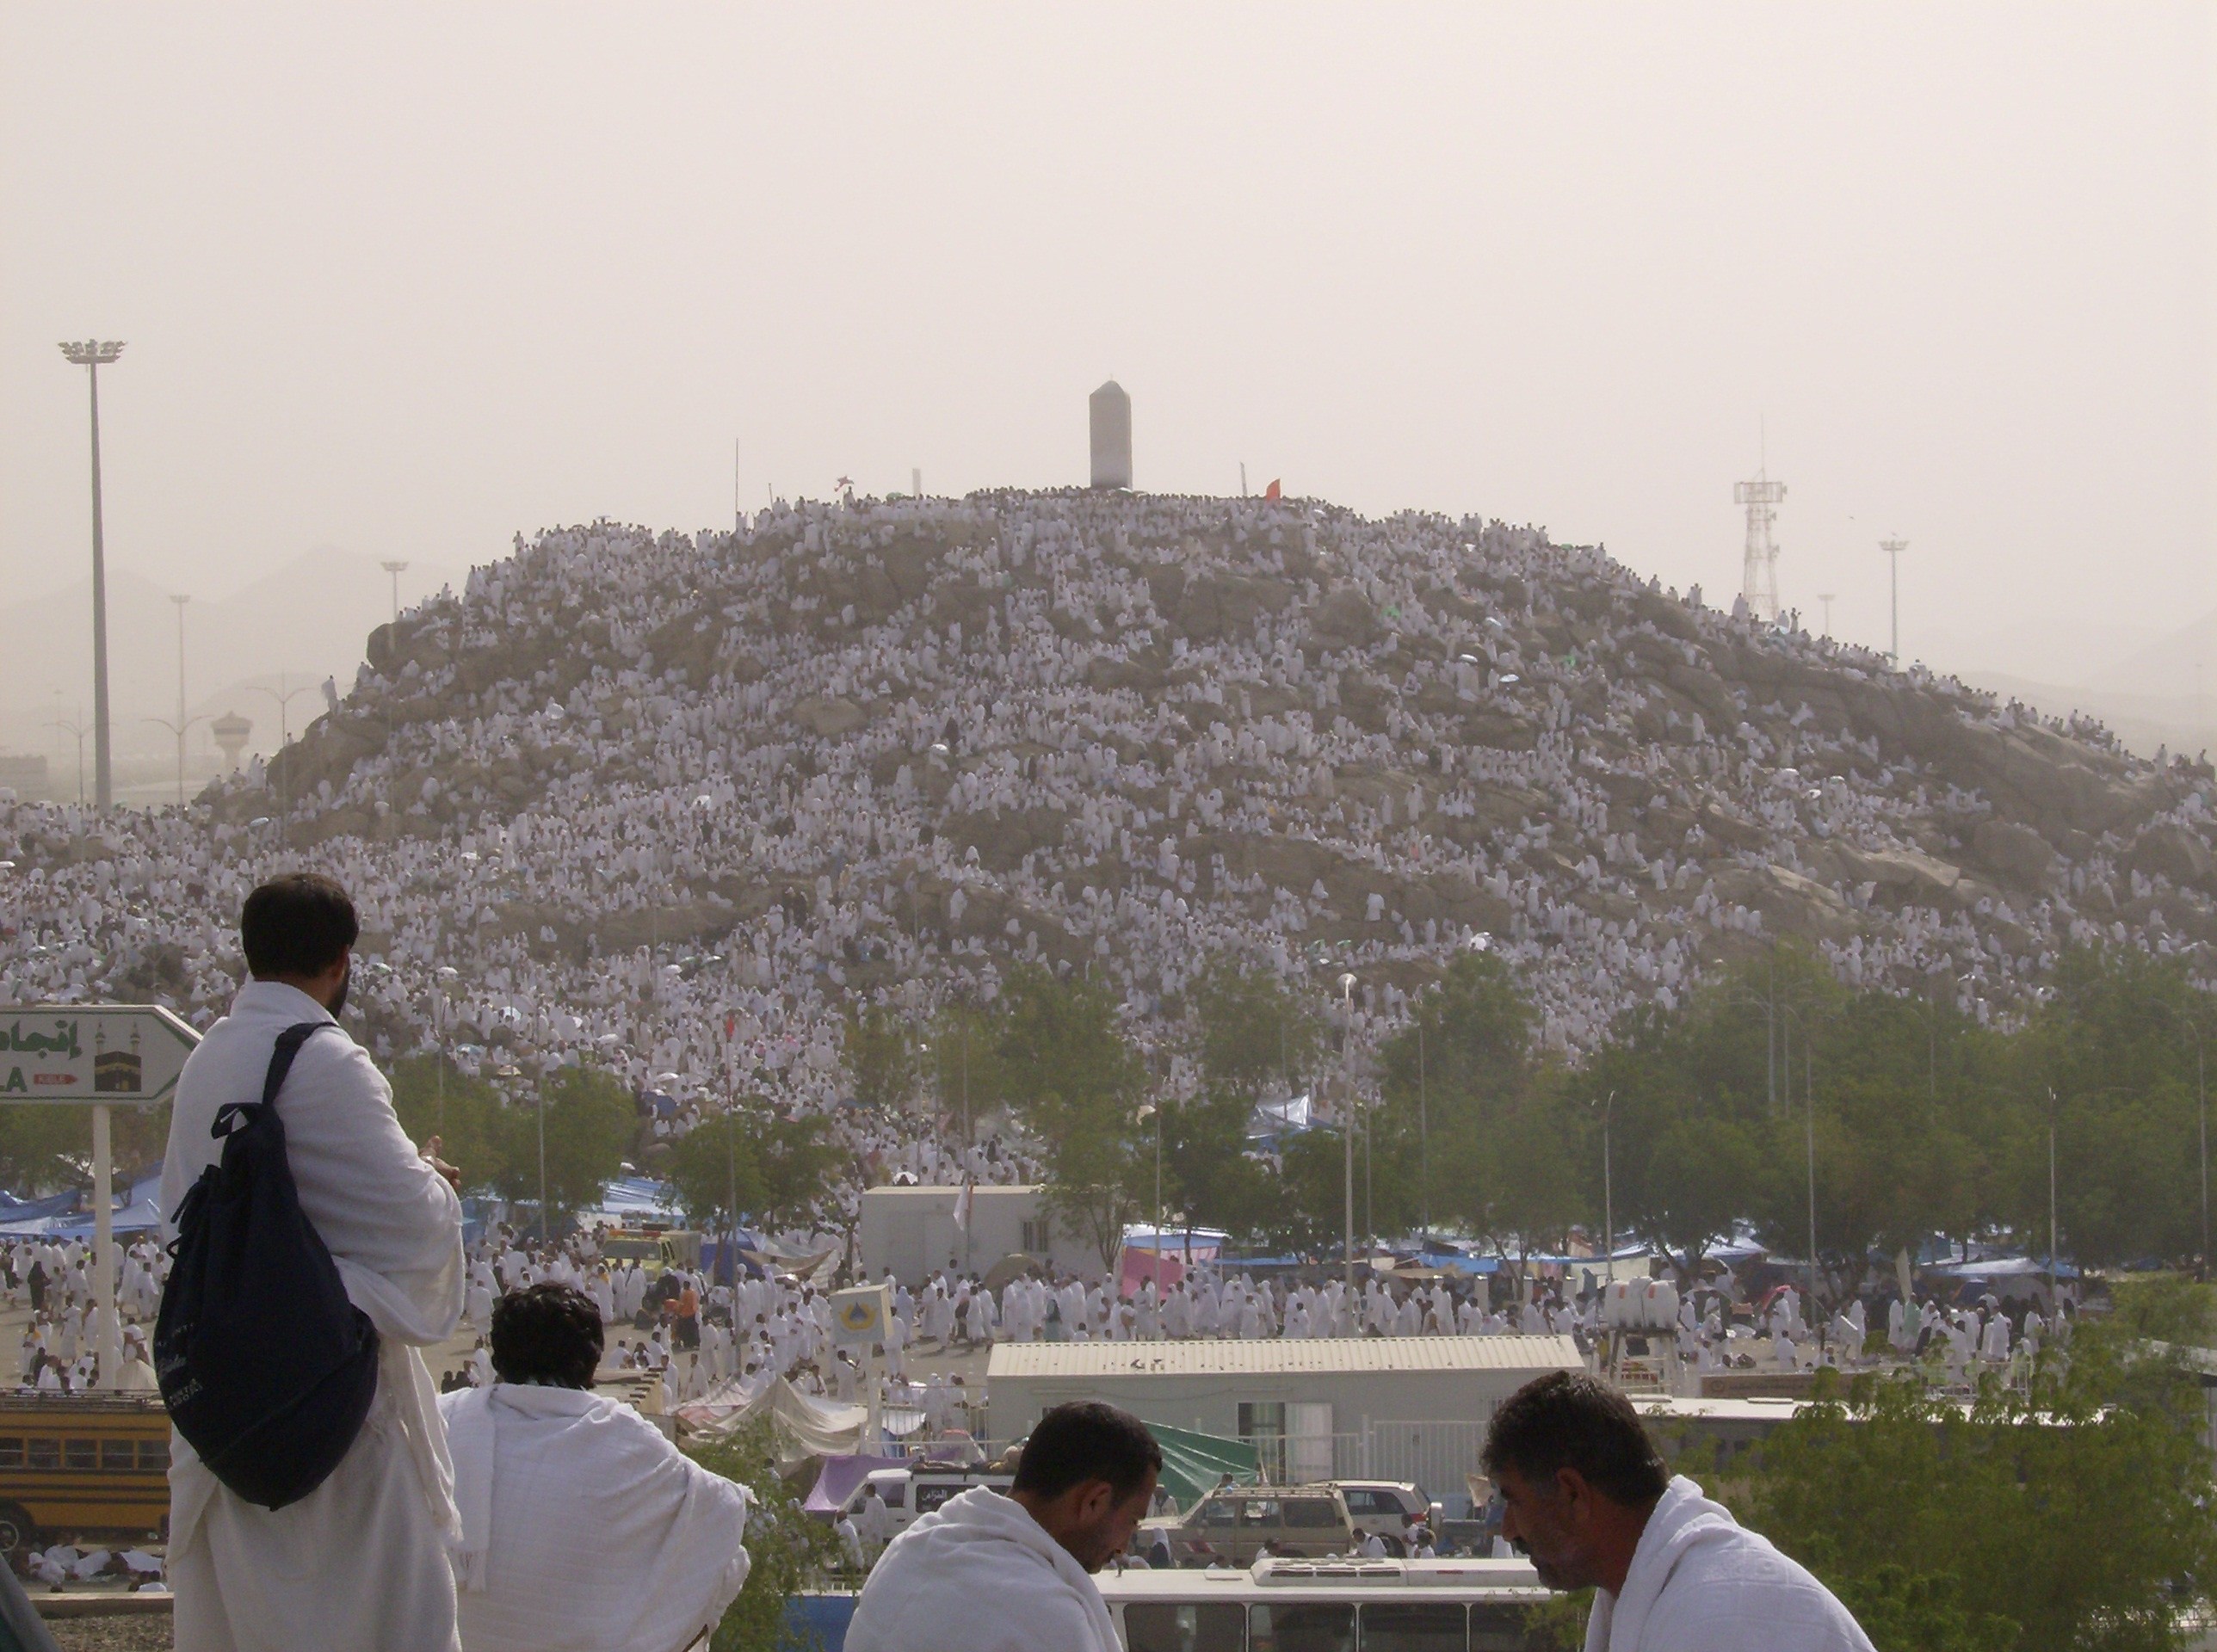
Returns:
point(123, 1055)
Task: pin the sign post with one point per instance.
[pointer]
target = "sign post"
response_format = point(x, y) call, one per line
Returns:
point(104, 1055)
point(859, 1316)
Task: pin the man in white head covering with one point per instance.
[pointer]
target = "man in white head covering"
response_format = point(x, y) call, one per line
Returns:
point(583, 1528)
point(1585, 1492)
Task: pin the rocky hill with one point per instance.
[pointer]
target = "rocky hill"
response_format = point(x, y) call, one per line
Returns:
point(878, 747)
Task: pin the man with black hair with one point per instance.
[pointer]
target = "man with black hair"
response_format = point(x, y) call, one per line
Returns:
point(584, 1529)
point(1586, 1494)
point(361, 1562)
point(989, 1573)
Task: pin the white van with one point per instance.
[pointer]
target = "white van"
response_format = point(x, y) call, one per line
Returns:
point(908, 1492)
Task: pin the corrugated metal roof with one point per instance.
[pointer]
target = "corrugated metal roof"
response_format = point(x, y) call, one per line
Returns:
point(1276, 1356)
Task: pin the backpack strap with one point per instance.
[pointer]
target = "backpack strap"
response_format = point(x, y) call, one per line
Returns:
point(229, 1116)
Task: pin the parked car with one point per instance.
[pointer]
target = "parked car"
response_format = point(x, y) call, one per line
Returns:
point(1387, 1507)
point(908, 1492)
point(1232, 1525)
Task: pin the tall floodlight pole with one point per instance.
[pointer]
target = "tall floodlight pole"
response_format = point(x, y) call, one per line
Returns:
point(1347, 1120)
point(1825, 597)
point(1894, 548)
point(395, 568)
point(92, 355)
point(1607, 1193)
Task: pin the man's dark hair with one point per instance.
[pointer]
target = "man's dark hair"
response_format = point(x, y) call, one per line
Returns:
point(1087, 1441)
point(296, 924)
point(1569, 1420)
point(549, 1334)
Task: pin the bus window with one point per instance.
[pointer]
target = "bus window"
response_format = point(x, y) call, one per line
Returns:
point(11, 1452)
point(1503, 1629)
point(154, 1454)
point(116, 1454)
point(1315, 1627)
point(45, 1453)
point(1157, 1626)
point(1426, 1626)
point(81, 1453)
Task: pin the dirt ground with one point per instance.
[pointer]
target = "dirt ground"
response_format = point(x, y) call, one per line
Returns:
point(140, 1633)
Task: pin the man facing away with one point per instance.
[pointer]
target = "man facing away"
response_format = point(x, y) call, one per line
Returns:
point(989, 1573)
point(1585, 1493)
point(584, 1529)
point(361, 1562)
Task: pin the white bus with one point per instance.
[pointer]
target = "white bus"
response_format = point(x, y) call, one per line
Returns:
point(1329, 1605)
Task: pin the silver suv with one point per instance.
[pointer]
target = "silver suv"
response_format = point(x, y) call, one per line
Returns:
point(1387, 1507)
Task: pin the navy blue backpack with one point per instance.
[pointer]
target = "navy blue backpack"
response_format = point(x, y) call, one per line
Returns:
point(266, 1367)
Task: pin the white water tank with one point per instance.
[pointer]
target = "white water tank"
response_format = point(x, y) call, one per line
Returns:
point(1639, 1305)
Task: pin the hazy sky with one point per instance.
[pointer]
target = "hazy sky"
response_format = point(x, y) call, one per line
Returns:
point(405, 279)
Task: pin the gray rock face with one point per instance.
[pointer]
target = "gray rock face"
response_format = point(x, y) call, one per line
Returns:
point(2017, 854)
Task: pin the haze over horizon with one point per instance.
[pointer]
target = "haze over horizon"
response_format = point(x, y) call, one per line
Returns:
point(404, 283)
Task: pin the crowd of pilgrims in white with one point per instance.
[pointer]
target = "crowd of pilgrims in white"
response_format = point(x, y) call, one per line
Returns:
point(763, 1328)
point(670, 805)
point(61, 1338)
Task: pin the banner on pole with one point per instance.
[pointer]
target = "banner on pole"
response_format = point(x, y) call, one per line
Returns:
point(859, 1315)
point(123, 1055)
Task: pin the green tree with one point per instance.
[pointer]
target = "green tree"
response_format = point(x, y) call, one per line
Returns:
point(799, 1162)
point(433, 1097)
point(1454, 1083)
point(715, 1171)
point(882, 1059)
point(1059, 1058)
point(2111, 1045)
point(1254, 1033)
point(2077, 1516)
point(590, 1123)
point(791, 1552)
point(1253, 1038)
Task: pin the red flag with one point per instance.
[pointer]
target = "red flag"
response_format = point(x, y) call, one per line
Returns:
point(1271, 492)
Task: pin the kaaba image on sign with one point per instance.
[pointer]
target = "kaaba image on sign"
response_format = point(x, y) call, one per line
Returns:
point(117, 1072)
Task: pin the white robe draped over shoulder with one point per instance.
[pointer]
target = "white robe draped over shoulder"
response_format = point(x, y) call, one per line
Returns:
point(1700, 1581)
point(360, 1562)
point(980, 1575)
point(583, 1529)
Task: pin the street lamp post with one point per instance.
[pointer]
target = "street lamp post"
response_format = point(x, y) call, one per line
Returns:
point(183, 722)
point(1424, 1138)
point(396, 569)
point(2051, 1199)
point(92, 354)
point(1608, 1193)
point(79, 730)
point(2202, 1112)
point(284, 697)
point(1347, 1120)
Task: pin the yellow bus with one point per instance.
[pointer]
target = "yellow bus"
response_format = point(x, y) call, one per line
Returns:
point(92, 1465)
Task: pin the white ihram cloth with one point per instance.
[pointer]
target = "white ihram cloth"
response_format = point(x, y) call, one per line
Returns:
point(980, 1575)
point(361, 1562)
point(583, 1529)
point(1701, 1583)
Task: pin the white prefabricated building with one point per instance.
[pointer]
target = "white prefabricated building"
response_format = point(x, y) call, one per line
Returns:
point(913, 1231)
point(1391, 1407)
